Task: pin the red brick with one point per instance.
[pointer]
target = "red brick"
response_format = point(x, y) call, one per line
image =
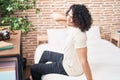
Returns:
point(105, 13)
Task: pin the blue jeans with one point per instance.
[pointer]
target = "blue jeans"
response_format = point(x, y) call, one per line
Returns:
point(37, 70)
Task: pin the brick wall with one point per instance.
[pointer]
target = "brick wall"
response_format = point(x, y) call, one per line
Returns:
point(105, 13)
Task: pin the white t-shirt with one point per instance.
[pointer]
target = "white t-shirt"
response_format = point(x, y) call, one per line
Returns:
point(75, 39)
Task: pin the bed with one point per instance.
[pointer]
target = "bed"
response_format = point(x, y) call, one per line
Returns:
point(103, 56)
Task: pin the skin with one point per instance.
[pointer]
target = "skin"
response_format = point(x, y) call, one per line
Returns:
point(81, 52)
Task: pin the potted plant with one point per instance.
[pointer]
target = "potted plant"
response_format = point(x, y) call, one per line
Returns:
point(7, 17)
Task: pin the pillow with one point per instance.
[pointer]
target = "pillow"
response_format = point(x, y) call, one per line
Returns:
point(56, 36)
point(93, 33)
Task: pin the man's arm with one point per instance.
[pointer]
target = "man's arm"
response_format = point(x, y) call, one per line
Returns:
point(82, 54)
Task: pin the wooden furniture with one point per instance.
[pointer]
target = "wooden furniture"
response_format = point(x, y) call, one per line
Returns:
point(115, 36)
point(102, 35)
point(14, 54)
point(42, 39)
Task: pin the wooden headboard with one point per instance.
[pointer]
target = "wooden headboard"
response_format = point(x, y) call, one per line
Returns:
point(42, 39)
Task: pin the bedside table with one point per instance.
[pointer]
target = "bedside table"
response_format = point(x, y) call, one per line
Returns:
point(116, 36)
point(11, 59)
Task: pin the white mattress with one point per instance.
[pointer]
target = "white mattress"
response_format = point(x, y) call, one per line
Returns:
point(103, 56)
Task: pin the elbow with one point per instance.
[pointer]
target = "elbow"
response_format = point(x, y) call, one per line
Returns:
point(58, 17)
point(53, 16)
point(84, 62)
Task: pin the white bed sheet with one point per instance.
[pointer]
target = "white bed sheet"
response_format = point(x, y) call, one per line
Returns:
point(103, 56)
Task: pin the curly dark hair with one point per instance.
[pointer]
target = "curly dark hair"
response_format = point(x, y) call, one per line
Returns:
point(81, 16)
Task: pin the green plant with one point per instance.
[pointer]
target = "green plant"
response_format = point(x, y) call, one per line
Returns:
point(7, 17)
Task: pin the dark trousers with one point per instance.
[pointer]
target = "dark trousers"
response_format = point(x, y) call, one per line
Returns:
point(37, 70)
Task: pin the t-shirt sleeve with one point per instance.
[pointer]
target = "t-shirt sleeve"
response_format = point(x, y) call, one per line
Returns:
point(79, 39)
